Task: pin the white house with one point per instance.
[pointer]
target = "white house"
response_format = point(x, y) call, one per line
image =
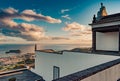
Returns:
point(53, 65)
point(106, 31)
point(72, 66)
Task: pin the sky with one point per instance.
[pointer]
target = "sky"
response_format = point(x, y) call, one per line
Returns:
point(50, 21)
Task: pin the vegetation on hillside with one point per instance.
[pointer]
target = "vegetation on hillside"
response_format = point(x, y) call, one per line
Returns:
point(19, 65)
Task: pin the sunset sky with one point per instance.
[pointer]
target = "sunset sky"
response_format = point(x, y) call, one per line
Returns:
point(50, 21)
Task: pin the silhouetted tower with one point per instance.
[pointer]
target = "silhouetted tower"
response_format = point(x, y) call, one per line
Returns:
point(35, 47)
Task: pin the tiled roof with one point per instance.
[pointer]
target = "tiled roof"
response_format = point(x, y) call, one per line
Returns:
point(109, 18)
point(20, 75)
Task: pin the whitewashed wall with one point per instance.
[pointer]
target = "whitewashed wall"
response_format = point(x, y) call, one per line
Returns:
point(110, 74)
point(69, 62)
point(107, 41)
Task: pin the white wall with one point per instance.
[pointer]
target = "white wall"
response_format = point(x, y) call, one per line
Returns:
point(110, 74)
point(106, 24)
point(107, 41)
point(69, 62)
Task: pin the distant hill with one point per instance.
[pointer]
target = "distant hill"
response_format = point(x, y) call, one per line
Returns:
point(50, 51)
point(13, 51)
point(86, 50)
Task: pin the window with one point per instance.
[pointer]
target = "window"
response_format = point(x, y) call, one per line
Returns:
point(56, 72)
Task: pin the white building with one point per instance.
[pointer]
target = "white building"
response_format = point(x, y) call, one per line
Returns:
point(52, 65)
point(106, 31)
point(71, 66)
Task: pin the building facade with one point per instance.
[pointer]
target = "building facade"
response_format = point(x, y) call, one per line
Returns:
point(106, 32)
point(52, 66)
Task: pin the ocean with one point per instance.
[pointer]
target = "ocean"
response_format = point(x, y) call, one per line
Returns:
point(29, 48)
point(25, 48)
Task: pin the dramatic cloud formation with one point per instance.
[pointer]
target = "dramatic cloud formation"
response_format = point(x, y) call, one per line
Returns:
point(26, 31)
point(8, 39)
point(66, 17)
point(28, 15)
point(76, 29)
point(64, 10)
point(2, 38)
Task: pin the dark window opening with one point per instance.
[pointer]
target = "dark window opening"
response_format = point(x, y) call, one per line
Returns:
point(56, 72)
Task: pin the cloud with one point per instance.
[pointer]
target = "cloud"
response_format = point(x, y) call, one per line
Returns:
point(64, 10)
point(10, 10)
point(5, 38)
point(30, 15)
point(26, 31)
point(30, 12)
point(66, 17)
point(74, 27)
point(77, 30)
point(27, 15)
point(2, 38)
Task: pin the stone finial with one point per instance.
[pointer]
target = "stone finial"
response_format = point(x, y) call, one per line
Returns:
point(102, 12)
point(94, 19)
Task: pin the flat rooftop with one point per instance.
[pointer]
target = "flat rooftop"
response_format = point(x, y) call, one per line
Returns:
point(21, 75)
point(71, 63)
point(84, 65)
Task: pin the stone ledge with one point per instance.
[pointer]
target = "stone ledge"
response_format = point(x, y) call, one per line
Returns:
point(88, 72)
